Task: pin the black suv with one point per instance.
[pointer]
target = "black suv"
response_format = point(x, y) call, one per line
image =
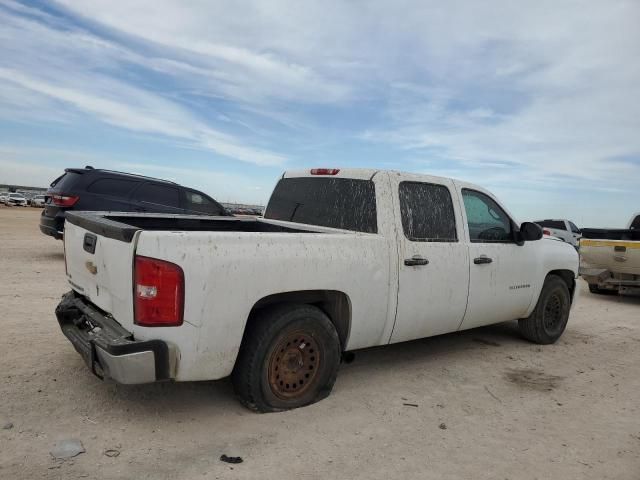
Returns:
point(105, 190)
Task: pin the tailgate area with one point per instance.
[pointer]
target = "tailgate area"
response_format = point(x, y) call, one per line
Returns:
point(100, 268)
point(107, 348)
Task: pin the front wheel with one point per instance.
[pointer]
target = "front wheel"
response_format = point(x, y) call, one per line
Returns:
point(289, 358)
point(548, 320)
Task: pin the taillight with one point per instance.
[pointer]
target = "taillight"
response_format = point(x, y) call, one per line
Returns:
point(546, 232)
point(158, 293)
point(62, 200)
point(325, 171)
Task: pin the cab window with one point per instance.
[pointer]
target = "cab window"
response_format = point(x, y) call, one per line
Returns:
point(487, 221)
point(427, 212)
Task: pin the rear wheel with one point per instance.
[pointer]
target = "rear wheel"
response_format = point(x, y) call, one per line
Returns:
point(548, 320)
point(289, 358)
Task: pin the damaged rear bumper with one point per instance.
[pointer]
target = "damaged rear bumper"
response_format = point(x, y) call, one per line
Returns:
point(108, 349)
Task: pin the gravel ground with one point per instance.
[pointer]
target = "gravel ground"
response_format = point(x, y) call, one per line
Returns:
point(478, 404)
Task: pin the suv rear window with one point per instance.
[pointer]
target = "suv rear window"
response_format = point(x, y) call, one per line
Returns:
point(555, 224)
point(65, 182)
point(343, 203)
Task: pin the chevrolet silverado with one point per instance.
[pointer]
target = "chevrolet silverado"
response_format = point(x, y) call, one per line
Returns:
point(343, 259)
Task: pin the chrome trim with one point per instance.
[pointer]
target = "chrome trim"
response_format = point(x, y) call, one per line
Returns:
point(132, 368)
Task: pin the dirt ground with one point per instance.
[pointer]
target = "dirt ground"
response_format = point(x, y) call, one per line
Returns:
point(473, 405)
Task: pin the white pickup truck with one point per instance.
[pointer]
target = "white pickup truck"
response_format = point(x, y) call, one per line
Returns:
point(565, 230)
point(342, 260)
point(610, 258)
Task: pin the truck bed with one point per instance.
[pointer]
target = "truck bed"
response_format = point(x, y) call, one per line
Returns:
point(611, 234)
point(123, 226)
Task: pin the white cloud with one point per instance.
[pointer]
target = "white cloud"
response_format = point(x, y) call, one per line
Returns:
point(24, 166)
point(542, 94)
point(56, 71)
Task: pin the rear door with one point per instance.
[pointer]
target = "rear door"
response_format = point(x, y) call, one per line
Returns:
point(100, 268)
point(502, 273)
point(433, 274)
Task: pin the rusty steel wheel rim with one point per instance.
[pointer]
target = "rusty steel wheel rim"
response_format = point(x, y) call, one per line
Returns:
point(294, 365)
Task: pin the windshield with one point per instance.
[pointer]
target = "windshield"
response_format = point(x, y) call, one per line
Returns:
point(343, 203)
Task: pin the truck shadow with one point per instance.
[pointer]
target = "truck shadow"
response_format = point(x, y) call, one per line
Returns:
point(612, 298)
point(451, 345)
point(192, 400)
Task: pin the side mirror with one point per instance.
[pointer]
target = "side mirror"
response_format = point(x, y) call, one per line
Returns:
point(530, 231)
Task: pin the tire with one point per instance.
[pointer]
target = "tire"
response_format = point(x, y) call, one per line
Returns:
point(289, 358)
point(548, 320)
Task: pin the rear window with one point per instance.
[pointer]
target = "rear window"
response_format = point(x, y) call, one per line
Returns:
point(635, 225)
point(116, 187)
point(343, 203)
point(555, 224)
point(65, 182)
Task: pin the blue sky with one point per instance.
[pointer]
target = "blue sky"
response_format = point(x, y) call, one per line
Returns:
point(537, 101)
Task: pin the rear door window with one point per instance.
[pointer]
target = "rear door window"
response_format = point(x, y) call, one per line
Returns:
point(156, 194)
point(345, 203)
point(116, 187)
point(200, 203)
point(487, 221)
point(427, 212)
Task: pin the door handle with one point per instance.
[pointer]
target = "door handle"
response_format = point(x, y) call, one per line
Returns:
point(415, 261)
point(482, 259)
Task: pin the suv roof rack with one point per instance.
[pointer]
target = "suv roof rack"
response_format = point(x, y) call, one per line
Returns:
point(83, 170)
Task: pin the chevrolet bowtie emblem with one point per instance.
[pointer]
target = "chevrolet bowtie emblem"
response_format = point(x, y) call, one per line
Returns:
point(91, 267)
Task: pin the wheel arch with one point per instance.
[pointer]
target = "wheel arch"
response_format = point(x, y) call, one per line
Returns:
point(335, 304)
point(568, 277)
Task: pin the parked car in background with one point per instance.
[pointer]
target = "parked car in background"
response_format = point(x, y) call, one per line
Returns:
point(341, 260)
point(92, 189)
point(38, 201)
point(16, 200)
point(565, 230)
point(610, 258)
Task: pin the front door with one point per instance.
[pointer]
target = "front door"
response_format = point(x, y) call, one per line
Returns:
point(501, 271)
point(434, 267)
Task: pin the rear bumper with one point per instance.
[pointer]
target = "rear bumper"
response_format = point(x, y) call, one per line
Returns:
point(52, 226)
point(108, 349)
